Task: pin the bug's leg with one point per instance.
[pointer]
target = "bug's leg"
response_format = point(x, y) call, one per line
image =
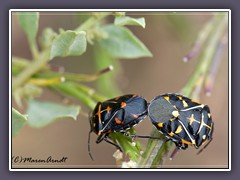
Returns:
point(112, 143)
point(179, 145)
point(165, 139)
point(174, 153)
point(140, 136)
point(105, 138)
point(184, 146)
point(101, 137)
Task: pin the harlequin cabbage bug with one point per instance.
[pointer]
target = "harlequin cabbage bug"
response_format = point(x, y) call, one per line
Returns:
point(117, 115)
point(182, 120)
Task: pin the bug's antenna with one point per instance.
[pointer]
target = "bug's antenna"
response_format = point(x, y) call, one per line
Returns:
point(174, 153)
point(89, 152)
point(204, 147)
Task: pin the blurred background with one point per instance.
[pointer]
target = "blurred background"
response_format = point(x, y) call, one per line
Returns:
point(169, 37)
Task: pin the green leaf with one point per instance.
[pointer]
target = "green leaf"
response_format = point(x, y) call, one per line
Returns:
point(102, 59)
point(41, 114)
point(27, 91)
point(126, 20)
point(69, 43)
point(29, 24)
point(47, 38)
point(18, 121)
point(122, 43)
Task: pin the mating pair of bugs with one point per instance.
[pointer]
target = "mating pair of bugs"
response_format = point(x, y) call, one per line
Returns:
point(180, 119)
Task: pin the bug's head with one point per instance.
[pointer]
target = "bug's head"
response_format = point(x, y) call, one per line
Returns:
point(95, 123)
point(95, 119)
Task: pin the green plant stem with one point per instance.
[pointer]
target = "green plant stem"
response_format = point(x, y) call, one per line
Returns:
point(210, 79)
point(154, 151)
point(18, 64)
point(91, 92)
point(21, 62)
point(207, 55)
point(202, 37)
point(30, 70)
point(71, 89)
point(34, 50)
point(70, 76)
point(157, 151)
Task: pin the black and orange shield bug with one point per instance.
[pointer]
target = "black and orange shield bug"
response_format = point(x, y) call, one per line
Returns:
point(117, 115)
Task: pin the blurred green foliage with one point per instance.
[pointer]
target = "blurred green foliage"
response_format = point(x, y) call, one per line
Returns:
point(110, 41)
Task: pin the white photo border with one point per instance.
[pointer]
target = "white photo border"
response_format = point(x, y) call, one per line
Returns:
point(119, 10)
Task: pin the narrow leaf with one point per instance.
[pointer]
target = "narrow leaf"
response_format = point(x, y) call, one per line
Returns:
point(69, 43)
point(126, 20)
point(122, 43)
point(41, 114)
point(47, 38)
point(29, 24)
point(18, 121)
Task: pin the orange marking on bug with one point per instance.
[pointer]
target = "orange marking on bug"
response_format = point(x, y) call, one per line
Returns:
point(209, 115)
point(160, 124)
point(108, 109)
point(171, 134)
point(109, 131)
point(185, 142)
point(191, 119)
point(100, 132)
point(123, 104)
point(184, 103)
point(99, 113)
point(179, 129)
point(118, 121)
point(175, 107)
point(167, 98)
point(135, 116)
point(179, 97)
point(195, 101)
point(117, 98)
